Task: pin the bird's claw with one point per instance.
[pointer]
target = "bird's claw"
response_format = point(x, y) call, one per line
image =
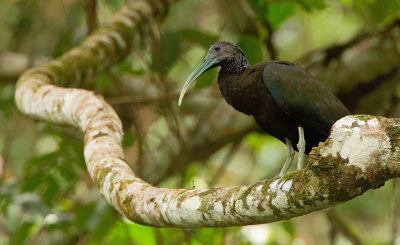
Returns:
point(259, 182)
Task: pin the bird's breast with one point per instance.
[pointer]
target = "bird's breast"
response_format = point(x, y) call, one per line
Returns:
point(240, 94)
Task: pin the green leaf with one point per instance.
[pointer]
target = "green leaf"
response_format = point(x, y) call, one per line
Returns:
point(142, 234)
point(378, 12)
point(51, 190)
point(104, 82)
point(208, 236)
point(251, 46)
point(171, 48)
point(22, 233)
point(7, 92)
point(113, 4)
point(129, 68)
point(256, 140)
point(118, 234)
point(199, 37)
point(165, 58)
point(347, 2)
point(66, 170)
point(34, 176)
point(259, 7)
point(83, 214)
point(312, 4)
point(279, 12)
point(275, 12)
point(103, 220)
point(172, 236)
point(129, 138)
point(289, 227)
point(64, 44)
point(65, 205)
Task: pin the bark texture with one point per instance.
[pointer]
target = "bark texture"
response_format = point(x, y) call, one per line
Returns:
point(361, 152)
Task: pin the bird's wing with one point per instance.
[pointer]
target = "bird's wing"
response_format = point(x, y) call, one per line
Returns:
point(303, 97)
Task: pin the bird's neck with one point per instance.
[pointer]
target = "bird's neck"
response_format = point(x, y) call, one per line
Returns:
point(236, 66)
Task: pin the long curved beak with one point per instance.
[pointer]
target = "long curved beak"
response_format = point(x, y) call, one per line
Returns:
point(206, 64)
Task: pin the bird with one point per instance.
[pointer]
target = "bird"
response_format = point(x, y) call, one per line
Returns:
point(286, 101)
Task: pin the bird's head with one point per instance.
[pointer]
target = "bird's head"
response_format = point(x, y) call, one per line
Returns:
point(221, 53)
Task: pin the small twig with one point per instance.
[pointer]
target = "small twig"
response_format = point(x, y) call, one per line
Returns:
point(396, 211)
point(226, 20)
point(158, 236)
point(343, 227)
point(157, 37)
point(144, 100)
point(140, 139)
point(333, 232)
point(91, 16)
point(336, 51)
point(269, 40)
point(174, 127)
point(128, 234)
point(187, 235)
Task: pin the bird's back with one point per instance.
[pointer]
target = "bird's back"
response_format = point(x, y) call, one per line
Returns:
point(303, 97)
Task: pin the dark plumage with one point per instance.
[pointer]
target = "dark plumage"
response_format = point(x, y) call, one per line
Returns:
point(280, 95)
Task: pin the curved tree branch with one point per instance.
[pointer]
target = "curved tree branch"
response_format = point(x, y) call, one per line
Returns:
point(361, 152)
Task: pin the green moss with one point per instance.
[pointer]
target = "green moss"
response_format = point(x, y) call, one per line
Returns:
point(363, 117)
point(205, 205)
point(289, 176)
point(110, 126)
point(182, 197)
point(59, 107)
point(205, 193)
point(36, 88)
point(100, 175)
point(46, 92)
point(393, 132)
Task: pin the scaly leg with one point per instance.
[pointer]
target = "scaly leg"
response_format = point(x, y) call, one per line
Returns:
point(301, 147)
point(289, 160)
point(289, 157)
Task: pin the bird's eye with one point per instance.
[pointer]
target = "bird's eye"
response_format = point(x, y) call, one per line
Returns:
point(217, 48)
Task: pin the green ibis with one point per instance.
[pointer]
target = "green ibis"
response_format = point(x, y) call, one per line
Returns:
point(286, 101)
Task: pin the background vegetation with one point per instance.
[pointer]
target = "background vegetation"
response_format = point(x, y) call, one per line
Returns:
point(46, 194)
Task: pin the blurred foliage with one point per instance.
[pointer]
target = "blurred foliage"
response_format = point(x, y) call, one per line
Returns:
point(46, 195)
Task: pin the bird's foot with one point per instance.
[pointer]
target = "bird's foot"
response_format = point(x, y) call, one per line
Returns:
point(259, 182)
point(289, 157)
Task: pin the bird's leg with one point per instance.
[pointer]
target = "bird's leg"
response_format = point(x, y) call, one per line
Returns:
point(288, 162)
point(301, 147)
point(289, 157)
